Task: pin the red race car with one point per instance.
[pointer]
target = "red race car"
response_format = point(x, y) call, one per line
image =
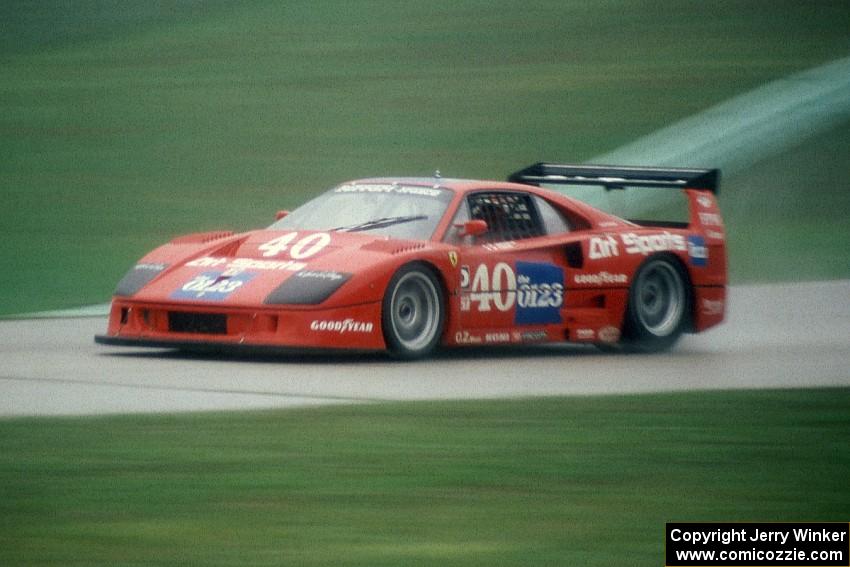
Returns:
point(407, 264)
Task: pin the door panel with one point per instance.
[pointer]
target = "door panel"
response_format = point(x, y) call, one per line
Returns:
point(505, 288)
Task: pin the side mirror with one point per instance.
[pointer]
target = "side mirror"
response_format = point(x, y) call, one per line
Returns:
point(280, 214)
point(475, 227)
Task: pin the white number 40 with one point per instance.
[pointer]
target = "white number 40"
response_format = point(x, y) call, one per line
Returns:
point(303, 248)
point(499, 289)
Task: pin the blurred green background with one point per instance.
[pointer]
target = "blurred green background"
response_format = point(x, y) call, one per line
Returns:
point(125, 124)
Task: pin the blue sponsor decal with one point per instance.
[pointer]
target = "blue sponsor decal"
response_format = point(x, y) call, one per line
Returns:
point(539, 293)
point(212, 286)
point(697, 251)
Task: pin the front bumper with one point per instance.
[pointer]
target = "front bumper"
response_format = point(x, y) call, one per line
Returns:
point(212, 327)
point(240, 349)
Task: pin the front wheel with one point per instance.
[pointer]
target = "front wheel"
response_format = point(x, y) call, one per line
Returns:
point(413, 312)
point(659, 306)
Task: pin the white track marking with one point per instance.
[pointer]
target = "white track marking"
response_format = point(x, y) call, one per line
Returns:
point(750, 127)
point(737, 133)
point(99, 310)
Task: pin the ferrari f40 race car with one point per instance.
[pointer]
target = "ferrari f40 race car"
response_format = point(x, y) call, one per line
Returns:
point(409, 264)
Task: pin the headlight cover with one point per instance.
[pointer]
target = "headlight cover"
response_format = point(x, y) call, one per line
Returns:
point(307, 287)
point(137, 278)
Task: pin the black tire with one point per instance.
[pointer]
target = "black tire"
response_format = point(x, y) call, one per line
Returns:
point(413, 312)
point(659, 306)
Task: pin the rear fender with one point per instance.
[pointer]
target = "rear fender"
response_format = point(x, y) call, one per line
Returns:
point(708, 268)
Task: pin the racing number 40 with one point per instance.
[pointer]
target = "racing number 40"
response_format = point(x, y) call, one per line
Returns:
point(505, 288)
point(303, 248)
point(484, 288)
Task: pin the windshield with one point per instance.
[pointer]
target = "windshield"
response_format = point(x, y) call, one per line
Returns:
point(394, 210)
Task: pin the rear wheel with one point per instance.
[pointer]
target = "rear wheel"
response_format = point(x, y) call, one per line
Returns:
point(659, 306)
point(413, 312)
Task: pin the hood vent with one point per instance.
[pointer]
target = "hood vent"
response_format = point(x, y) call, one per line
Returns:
point(202, 237)
point(394, 246)
point(231, 248)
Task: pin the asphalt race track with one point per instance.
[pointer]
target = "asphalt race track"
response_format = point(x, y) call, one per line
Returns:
point(776, 336)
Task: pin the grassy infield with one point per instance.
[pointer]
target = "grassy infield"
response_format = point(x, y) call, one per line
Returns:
point(527, 482)
point(128, 128)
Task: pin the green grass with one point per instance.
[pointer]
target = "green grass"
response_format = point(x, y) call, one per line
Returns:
point(124, 127)
point(559, 481)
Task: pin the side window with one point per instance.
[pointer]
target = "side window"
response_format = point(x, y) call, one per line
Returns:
point(553, 221)
point(453, 233)
point(509, 215)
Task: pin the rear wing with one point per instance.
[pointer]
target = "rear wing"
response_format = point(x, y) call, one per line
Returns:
point(618, 177)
